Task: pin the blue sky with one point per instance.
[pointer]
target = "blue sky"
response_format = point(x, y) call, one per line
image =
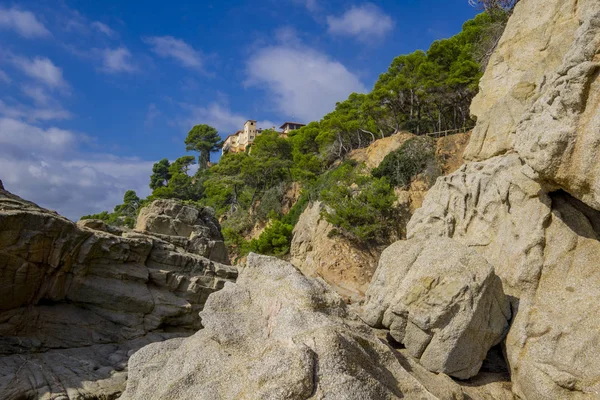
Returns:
point(92, 93)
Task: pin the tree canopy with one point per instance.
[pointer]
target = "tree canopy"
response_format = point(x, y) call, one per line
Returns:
point(422, 92)
point(203, 139)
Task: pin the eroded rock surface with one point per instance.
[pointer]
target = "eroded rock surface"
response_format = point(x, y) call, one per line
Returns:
point(537, 37)
point(335, 259)
point(442, 301)
point(76, 302)
point(559, 137)
point(373, 155)
point(195, 229)
point(276, 334)
point(545, 248)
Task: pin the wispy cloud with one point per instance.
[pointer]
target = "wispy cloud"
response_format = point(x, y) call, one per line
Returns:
point(303, 83)
point(24, 23)
point(311, 5)
point(40, 112)
point(4, 77)
point(117, 60)
point(103, 28)
point(48, 167)
point(41, 69)
point(152, 113)
point(365, 23)
point(177, 49)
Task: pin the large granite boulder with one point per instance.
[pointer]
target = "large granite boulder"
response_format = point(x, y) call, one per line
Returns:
point(537, 37)
point(442, 301)
point(545, 248)
point(193, 228)
point(276, 334)
point(559, 136)
point(77, 302)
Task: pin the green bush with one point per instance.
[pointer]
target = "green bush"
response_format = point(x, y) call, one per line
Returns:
point(270, 203)
point(362, 208)
point(402, 165)
point(275, 240)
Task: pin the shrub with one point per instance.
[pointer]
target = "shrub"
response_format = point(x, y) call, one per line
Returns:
point(275, 240)
point(402, 165)
point(363, 210)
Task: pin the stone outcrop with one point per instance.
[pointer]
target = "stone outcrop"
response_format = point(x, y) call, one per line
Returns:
point(442, 301)
point(537, 37)
point(276, 334)
point(544, 247)
point(194, 229)
point(77, 302)
point(449, 151)
point(373, 155)
point(530, 205)
point(559, 136)
point(335, 259)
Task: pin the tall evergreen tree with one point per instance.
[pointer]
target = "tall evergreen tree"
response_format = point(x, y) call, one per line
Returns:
point(160, 174)
point(203, 139)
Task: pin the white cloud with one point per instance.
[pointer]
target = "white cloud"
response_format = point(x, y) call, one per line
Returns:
point(366, 22)
point(45, 112)
point(311, 5)
point(303, 83)
point(4, 77)
point(22, 22)
point(103, 28)
point(216, 115)
point(36, 93)
point(117, 60)
point(170, 47)
point(41, 69)
point(219, 116)
point(45, 166)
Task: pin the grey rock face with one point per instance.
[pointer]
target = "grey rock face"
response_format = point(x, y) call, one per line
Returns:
point(192, 228)
point(76, 302)
point(276, 334)
point(559, 136)
point(535, 40)
point(545, 248)
point(442, 301)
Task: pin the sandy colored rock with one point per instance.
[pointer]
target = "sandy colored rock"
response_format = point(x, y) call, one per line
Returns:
point(77, 302)
point(347, 268)
point(560, 135)
point(450, 150)
point(195, 229)
point(536, 39)
point(373, 155)
point(442, 301)
point(544, 247)
point(276, 334)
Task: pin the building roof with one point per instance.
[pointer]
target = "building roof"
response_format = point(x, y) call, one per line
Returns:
point(233, 134)
point(291, 123)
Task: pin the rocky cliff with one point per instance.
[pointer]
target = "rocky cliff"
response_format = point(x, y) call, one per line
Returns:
point(347, 266)
point(78, 300)
point(499, 270)
point(504, 250)
point(529, 204)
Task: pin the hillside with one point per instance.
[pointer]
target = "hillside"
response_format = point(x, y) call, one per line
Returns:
point(471, 274)
point(422, 92)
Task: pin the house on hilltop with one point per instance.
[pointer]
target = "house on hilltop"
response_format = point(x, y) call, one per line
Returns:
point(287, 127)
point(240, 140)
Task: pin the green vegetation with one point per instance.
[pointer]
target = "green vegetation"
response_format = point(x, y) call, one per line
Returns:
point(203, 139)
point(422, 92)
point(411, 159)
point(124, 214)
point(275, 240)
